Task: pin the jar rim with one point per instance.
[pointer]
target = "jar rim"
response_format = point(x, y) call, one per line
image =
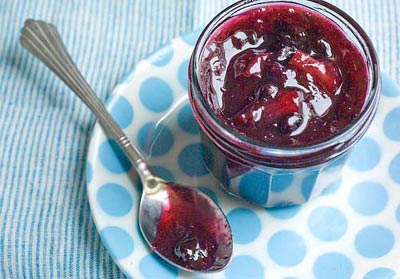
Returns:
point(264, 148)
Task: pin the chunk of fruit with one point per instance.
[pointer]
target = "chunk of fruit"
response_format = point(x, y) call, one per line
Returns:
point(324, 73)
point(267, 112)
point(285, 103)
point(255, 66)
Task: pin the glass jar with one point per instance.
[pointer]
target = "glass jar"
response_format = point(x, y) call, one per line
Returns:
point(276, 176)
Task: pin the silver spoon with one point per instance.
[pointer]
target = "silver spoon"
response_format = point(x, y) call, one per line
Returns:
point(182, 225)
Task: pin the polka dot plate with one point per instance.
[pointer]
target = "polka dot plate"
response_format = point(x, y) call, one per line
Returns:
point(351, 231)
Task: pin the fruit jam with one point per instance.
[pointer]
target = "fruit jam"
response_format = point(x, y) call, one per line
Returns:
point(283, 74)
point(191, 233)
point(282, 91)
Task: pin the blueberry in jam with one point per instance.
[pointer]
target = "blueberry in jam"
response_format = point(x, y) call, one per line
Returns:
point(198, 239)
point(283, 74)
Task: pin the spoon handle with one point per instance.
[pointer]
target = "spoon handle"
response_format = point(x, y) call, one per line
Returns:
point(43, 40)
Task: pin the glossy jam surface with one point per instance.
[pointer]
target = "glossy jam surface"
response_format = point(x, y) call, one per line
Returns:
point(191, 232)
point(283, 74)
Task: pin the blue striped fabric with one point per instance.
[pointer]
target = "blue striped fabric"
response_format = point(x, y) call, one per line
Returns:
point(46, 230)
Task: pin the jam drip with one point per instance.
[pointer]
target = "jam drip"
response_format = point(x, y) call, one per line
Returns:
point(283, 74)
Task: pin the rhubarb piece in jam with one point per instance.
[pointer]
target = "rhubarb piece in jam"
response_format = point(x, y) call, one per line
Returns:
point(283, 74)
point(192, 238)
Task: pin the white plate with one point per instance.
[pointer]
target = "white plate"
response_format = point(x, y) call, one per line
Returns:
point(352, 231)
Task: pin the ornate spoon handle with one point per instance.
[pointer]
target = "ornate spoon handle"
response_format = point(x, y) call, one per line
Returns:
point(43, 40)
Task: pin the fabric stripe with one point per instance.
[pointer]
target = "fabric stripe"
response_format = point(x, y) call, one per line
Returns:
point(35, 201)
point(17, 132)
point(6, 99)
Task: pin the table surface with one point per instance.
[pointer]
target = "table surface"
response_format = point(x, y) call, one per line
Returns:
point(46, 230)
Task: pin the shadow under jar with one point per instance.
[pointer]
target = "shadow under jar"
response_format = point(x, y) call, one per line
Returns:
point(282, 91)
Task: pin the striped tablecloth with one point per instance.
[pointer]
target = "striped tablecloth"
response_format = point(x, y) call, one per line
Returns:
point(46, 230)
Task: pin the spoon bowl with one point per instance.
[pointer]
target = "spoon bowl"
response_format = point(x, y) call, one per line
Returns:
point(191, 230)
point(181, 224)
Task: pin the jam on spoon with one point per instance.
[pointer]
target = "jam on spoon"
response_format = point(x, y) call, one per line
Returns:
point(283, 74)
point(189, 231)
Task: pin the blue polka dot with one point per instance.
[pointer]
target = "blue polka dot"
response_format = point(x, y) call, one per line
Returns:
point(163, 172)
point(122, 111)
point(183, 73)
point(186, 120)
point(254, 187)
point(152, 267)
point(162, 57)
point(398, 214)
point(327, 223)
point(117, 241)
point(389, 86)
point(89, 172)
point(244, 267)
point(155, 94)
point(333, 266)
point(191, 38)
point(191, 162)
point(284, 213)
point(209, 193)
point(380, 273)
point(307, 186)
point(281, 181)
point(391, 124)
point(113, 158)
point(368, 198)
point(394, 169)
point(155, 139)
point(286, 248)
point(114, 199)
point(365, 155)
point(332, 188)
point(244, 233)
point(374, 241)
